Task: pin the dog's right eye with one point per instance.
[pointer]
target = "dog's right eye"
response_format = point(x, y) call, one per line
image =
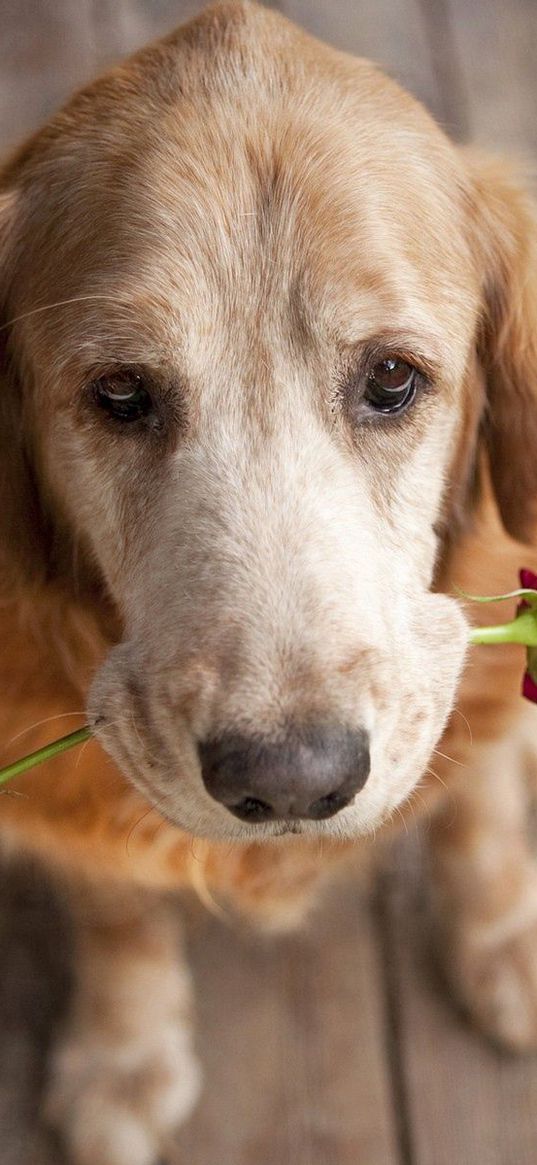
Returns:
point(124, 395)
point(391, 385)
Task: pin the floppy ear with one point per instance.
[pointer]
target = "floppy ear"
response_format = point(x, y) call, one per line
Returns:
point(23, 540)
point(505, 228)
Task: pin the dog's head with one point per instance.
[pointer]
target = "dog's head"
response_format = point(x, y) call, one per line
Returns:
point(287, 310)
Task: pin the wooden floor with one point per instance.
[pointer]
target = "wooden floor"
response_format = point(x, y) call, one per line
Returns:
point(338, 1047)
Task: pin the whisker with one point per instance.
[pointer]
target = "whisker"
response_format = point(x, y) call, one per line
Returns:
point(438, 778)
point(448, 791)
point(145, 750)
point(59, 303)
point(426, 821)
point(118, 722)
point(81, 751)
point(452, 760)
point(198, 878)
point(416, 794)
point(39, 723)
point(193, 839)
point(402, 816)
point(142, 817)
point(164, 821)
point(152, 808)
point(467, 722)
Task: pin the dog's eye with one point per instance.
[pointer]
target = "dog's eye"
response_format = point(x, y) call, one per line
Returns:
point(391, 385)
point(124, 396)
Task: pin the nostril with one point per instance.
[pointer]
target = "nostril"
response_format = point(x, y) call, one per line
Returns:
point(252, 809)
point(328, 806)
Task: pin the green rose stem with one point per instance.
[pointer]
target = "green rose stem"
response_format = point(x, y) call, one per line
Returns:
point(522, 630)
point(42, 754)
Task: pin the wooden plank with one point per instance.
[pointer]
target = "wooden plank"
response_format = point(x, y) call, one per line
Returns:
point(496, 45)
point(291, 1035)
point(35, 944)
point(393, 34)
point(466, 1101)
point(292, 1038)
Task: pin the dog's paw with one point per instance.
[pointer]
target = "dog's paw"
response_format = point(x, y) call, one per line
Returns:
point(116, 1104)
point(494, 973)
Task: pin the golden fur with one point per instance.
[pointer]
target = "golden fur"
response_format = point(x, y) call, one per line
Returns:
point(239, 209)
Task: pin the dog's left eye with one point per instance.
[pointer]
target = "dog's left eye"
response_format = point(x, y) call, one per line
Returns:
point(124, 396)
point(391, 385)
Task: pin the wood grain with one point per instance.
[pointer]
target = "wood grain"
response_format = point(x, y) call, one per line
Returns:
point(466, 1101)
point(292, 1038)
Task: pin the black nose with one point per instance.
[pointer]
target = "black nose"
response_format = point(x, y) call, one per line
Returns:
point(313, 772)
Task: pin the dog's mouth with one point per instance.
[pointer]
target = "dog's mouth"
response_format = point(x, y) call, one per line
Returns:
point(288, 827)
point(330, 768)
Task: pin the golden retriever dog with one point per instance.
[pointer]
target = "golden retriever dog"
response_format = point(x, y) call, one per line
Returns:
point(268, 397)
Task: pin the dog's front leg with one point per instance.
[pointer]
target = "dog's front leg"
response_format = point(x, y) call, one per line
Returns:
point(123, 1074)
point(486, 879)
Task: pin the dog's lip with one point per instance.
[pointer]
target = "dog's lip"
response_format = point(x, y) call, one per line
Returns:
point(284, 828)
point(278, 830)
point(289, 827)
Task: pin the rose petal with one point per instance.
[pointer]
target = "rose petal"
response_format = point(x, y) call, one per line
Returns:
point(529, 688)
point(528, 579)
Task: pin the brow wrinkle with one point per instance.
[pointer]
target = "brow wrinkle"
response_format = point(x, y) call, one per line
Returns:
point(59, 303)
